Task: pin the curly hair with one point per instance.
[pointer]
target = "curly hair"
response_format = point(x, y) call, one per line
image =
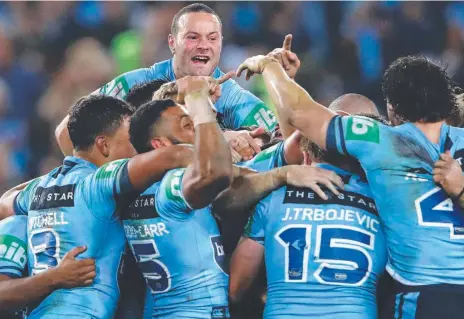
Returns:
point(419, 90)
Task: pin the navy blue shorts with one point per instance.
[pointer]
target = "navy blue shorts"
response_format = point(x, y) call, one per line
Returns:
point(424, 302)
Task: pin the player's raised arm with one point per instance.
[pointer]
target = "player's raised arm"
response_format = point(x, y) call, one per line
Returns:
point(16, 293)
point(245, 191)
point(211, 170)
point(294, 105)
point(290, 62)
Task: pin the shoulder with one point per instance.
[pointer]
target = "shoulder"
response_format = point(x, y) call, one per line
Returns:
point(13, 224)
point(162, 70)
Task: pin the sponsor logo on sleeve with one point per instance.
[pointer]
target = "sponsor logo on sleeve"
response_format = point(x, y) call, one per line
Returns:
point(362, 129)
point(261, 116)
point(174, 184)
point(117, 88)
point(13, 249)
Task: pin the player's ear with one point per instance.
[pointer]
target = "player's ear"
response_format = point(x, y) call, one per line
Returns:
point(158, 142)
point(171, 41)
point(102, 145)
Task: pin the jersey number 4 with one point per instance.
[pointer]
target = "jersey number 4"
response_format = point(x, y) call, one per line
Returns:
point(436, 209)
point(341, 251)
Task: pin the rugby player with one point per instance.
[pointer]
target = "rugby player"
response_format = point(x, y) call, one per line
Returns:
point(176, 236)
point(16, 292)
point(196, 43)
point(423, 226)
point(68, 207)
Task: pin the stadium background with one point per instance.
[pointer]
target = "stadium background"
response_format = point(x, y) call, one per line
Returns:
point(52, 53)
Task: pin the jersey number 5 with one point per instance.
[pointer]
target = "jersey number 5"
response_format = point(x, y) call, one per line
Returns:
point(341, 250)
point(155, 272)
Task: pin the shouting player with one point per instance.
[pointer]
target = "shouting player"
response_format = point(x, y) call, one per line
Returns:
point(398, 162)
point(196, 43)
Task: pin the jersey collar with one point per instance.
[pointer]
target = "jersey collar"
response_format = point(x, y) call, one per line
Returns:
point(336, 169)
point(73, 161)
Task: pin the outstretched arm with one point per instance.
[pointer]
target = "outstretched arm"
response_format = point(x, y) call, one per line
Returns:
point(293, 104)
point(248, 189)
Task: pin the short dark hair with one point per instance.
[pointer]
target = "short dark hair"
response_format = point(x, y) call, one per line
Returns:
point(419, 90)
point(94, 115)
point(194, 7)
point(143, 121)
point(143, 92)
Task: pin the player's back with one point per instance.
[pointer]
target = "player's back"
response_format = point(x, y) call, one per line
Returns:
point(179, 251)
point(323, 258)
point(13, 251)
point(423, 227)
point(64, 212)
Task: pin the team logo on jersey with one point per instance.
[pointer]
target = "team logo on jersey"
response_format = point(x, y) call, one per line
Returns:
point(13, 249)
point(53, 197)
point(261, 116)
point(218, 249)
point(362, 129)
point(117, 88)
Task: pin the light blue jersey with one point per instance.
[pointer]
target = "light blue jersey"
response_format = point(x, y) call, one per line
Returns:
point(236, 107)
point(323, 258)
point(424, 228)
point(180, 253)
point(73, 206)
point(13, 252)
point(268, 159)
point(13, 246)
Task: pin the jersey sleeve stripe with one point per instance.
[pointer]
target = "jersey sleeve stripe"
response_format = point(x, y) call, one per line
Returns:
point(11, 270)
point(124, 186)
point(340, 135)
point(16, 207)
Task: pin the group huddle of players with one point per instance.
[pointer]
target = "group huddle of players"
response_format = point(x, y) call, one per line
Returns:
point(178, 185)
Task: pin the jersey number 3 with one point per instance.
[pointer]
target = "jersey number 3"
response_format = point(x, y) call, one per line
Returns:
point(341, 251)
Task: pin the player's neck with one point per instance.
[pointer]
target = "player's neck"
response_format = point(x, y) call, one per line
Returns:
point(90, 157)
point(431, 130)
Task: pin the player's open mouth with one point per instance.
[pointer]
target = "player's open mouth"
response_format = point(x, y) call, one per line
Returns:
point(199, 59)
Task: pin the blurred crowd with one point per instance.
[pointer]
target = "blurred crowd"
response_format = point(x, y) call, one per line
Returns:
point(52, 53)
